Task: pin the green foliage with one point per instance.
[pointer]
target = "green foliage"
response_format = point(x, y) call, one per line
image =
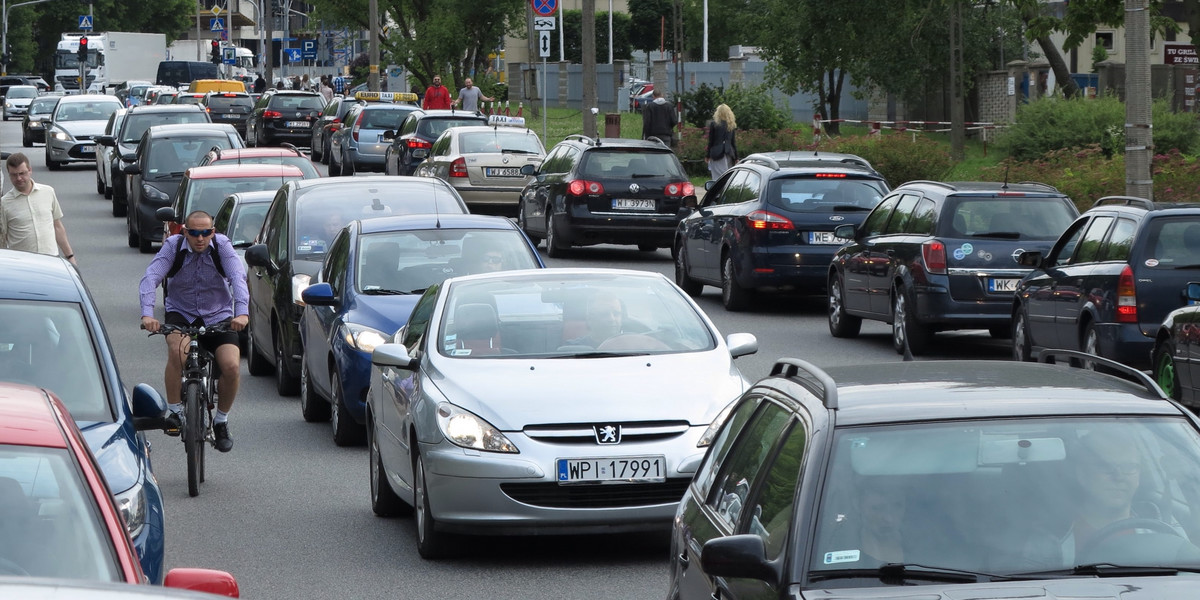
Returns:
point(1099, 55)
point(699, 104)
point(898, 157)
point(573, 36)
point(1174, 130)
point(647, 26)
point(755, 107)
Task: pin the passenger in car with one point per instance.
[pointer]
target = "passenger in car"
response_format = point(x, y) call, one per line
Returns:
point(605, 316)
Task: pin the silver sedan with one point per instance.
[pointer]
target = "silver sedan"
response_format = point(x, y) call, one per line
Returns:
point(548, 401)
point(74, 125)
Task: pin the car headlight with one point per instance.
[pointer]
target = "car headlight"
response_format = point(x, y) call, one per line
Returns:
point(8, 105)
point(710, 434)
point(132, 505)
point(154, 193)
point(362, 337)
point(469, 431)
point(299, 284)
point(62, 135)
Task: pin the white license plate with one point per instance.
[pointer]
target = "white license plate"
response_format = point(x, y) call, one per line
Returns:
point(502, 172)
point(87, 149)
point(622, 469)
point(297, 124)
point(633, 203)
point(996, 284)
point(229, 116)
point(824, 237)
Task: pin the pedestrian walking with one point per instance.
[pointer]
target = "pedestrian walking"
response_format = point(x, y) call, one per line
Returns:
point(30, 217)
point(469, 96)
point(659, 119)
point(339, 85)
point(436, 95)
point(721, 152)
point(260, 84)
point(325, 89)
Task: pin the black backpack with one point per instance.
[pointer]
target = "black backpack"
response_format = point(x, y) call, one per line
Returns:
point(181, 255)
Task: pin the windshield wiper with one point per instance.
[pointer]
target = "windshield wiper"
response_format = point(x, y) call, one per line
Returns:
point(640, 175)
point(1104, 570)
point(898, 573)
point(596, 354)
point(517, 151)
point(1008, 235)
point(850, 208)
point(380, 292)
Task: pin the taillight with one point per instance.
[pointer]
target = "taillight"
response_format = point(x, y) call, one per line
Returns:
point(357, 125)
point(414, 143)
point(933, 253)
point(272, 114)
point(761, 219)
point(580, 187)
point(458, 168)
point(677, 189)
point(1126, 297)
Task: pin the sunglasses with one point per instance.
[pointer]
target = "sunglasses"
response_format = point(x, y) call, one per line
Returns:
point(200, 232)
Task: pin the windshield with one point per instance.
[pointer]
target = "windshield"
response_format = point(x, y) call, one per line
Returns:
point(50, 521)
point(624, 164)
point(69, 59)
point(21, 92)
point(431, 128)
point(411, 261)
point(1022, 217)
point(569, 316)
point(1010, 496)
point(85, 111)
point(499, 141)
point(808, 194)
point(246, 222)
point(138, 123)
point(171, 156)
point(42, 106)
point(48, 344)
point(208, 194)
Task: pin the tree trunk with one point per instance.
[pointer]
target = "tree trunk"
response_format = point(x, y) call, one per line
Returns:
point(833, 100)
point(1062, 74)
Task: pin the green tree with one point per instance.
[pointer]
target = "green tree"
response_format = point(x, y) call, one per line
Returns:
point(573, 34)
point(649, 22)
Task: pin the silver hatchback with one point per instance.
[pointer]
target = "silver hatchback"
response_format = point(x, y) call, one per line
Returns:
point(74, 125)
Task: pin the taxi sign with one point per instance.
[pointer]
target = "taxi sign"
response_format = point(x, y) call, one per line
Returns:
point(385, 96)
point(506, 120)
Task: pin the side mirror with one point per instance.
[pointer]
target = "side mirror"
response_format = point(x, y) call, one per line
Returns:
point(1030, 258)
point(256, 256)
point(393, 355)
point(211, 581)
point(1192, 292)
point(165, 214)
point(319, 294)
point(131, 168)
point(389, 135)
point(708, 185)
point(528, 170)
point(741, 556)
point(741, 344)
point(106, 140)
point(149, 408)
point(846, 231)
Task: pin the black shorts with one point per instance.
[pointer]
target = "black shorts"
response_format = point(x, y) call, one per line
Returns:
point(210, 340)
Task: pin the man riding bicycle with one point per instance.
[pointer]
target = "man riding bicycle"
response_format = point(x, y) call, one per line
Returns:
point(204, 286)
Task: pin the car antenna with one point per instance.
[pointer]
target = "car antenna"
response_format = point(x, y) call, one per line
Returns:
point(1004, 186)
point(437, 215)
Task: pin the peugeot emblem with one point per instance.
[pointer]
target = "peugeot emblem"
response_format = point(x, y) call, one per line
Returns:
point(837, 218)
point(607, 434)
point(633, 188)
point(1016, 255)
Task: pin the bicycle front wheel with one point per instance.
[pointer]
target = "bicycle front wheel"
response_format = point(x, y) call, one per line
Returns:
point(193, 441)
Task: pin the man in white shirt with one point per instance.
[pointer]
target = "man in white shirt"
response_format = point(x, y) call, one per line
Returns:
point(30, 217)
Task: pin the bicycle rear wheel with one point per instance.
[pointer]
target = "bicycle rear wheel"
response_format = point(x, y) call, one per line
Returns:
point(193, 441)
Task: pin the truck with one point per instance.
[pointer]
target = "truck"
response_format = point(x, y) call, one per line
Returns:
point(113, 57)
point(243, 69)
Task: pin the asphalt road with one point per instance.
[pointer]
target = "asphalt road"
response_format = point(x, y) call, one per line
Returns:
point(287, 511)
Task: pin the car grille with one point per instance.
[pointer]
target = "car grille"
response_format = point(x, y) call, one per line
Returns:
point(553, 495)
point(584, 433)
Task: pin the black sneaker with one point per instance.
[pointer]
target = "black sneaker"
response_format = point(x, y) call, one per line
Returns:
point(221, 432)
point(174, 424)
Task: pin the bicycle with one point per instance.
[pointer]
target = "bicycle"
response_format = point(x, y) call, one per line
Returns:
point(198, 393)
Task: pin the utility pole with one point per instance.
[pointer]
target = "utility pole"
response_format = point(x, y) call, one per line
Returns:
point(1139, 146)
point(958, 132)
point(589, 67)
point(373, 57)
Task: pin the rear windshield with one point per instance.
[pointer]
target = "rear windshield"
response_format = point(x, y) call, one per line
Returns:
point(227, 102)
point(208, 194)
point(499, 141)
point(432, 128)
point(315, 103)
point(385, 118)
point(1023, 218)
point(137, 124)
point(170, 157)
point(246, 222)
point(1173, 242)
point(824, 195)
point(626, 164)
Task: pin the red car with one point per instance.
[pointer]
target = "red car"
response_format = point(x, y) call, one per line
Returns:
point(57, 517)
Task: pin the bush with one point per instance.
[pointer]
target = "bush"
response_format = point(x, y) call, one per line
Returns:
point(699, 105)
point(899, 158)
point(753, 107)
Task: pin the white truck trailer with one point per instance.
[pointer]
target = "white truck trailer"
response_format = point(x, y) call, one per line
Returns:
point(113, 57)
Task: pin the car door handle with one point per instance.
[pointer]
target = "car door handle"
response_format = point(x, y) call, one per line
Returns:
point(683, 559)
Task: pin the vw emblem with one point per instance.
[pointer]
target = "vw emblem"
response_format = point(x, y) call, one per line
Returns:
point(505, 159)
point(607, 434)
point(837, 218)
point(633, 188)
point(1016, 255)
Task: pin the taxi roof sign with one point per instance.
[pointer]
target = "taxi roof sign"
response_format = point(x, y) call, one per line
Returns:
point(506, 120)
point(385, 96)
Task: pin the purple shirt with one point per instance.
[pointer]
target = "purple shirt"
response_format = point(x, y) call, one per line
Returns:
point(198, 291)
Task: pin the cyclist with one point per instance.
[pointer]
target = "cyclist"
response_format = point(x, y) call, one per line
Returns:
point(204, 286)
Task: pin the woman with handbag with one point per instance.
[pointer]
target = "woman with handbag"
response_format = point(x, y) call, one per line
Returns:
point(722, 143)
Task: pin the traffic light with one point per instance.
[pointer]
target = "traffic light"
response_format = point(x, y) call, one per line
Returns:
point(216, 52)
point(83, 50)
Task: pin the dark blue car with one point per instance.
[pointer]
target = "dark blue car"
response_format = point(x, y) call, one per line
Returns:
point(374, 273)
point(51, 336)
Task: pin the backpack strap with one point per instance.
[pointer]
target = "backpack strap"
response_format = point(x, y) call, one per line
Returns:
point(181, 255)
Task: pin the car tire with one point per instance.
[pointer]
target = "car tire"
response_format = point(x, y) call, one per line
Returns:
point(286, 384)
point(118, 206)
point(1166, 374)
point(384, 501)
point(99, 184)
point(145, 245)
point(523, 225)
point(335, 170)
point(841, 323)
point(348, 169)
point(26, 141)
point(346, 431)
point(905, 328)
point(325, 151)
point(1089, 343)
point(647, 247)
point(555, 248)
point(315, 148)
point(52, 164)
point(690, 286)
point(1022, 344)
point(256, 363)
point(132, 238)
point(431, 543)
point(314, 408)
point(733, 296)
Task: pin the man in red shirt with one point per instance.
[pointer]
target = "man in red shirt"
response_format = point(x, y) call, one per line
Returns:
point(436, 96)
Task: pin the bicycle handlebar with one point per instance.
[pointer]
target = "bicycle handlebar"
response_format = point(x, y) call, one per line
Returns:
point(191, 330)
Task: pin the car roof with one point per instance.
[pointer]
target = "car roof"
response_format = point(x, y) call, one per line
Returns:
point(255, 197)
point(27, 417)
point(12, 87)
point(233, 171)
point(439, 113)
point(380, 179)
point(1133, 203)
point(487, 128)
point(615, 143)
point(41, 277)
point(79, 98)
point(44, 588)
point(256, 152)
point(293, 93)
point(164, 108)
point(188, 129)
point(427, 221)
point(982, 187)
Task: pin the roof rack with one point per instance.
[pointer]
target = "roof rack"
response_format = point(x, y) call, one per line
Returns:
point(1053, 355)
point(791, 367)
point(931, 182)
point(660, 141)
point(583, 138)
point(1125, 201)
point(1038, 183)
point(761, 159)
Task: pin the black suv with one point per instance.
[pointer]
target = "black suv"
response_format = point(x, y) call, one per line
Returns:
point(767, 225)
point(283, 116)
point(605, 191)
point(1109, 281)
point(330, 121)
point(229, 107)
point(936, 256)
point(412, 141)
point(125, 140)
point(943, 479)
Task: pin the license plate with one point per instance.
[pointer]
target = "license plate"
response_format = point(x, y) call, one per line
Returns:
point(824, 237)
point(87, 149)
point(227, 116)
point(502, 172)
point(623, 469)
point(996, 284)
point(633, 203)
point(297, 124)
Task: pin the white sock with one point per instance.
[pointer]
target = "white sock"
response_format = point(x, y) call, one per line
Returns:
point(220, 417)
point(176, 408)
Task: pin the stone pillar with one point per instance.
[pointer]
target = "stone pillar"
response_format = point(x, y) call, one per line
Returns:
point(737, 71)
point(658, 74)
point(1018, 70)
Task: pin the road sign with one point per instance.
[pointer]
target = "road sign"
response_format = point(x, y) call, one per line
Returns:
point(293, 54)
point(216, 11)
point(544, 8)
point(308, 49)
point(543, 44)
point(543, 23)
point(85, 21)
point(216, 24)
point(229, 55)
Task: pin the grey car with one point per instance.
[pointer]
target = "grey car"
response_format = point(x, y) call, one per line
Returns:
point(546, 401)
point(33, 126)
point(359, 145)
point(17, 99)
point(74, 125)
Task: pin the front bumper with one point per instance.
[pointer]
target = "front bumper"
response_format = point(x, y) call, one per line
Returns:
point(69, 151)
